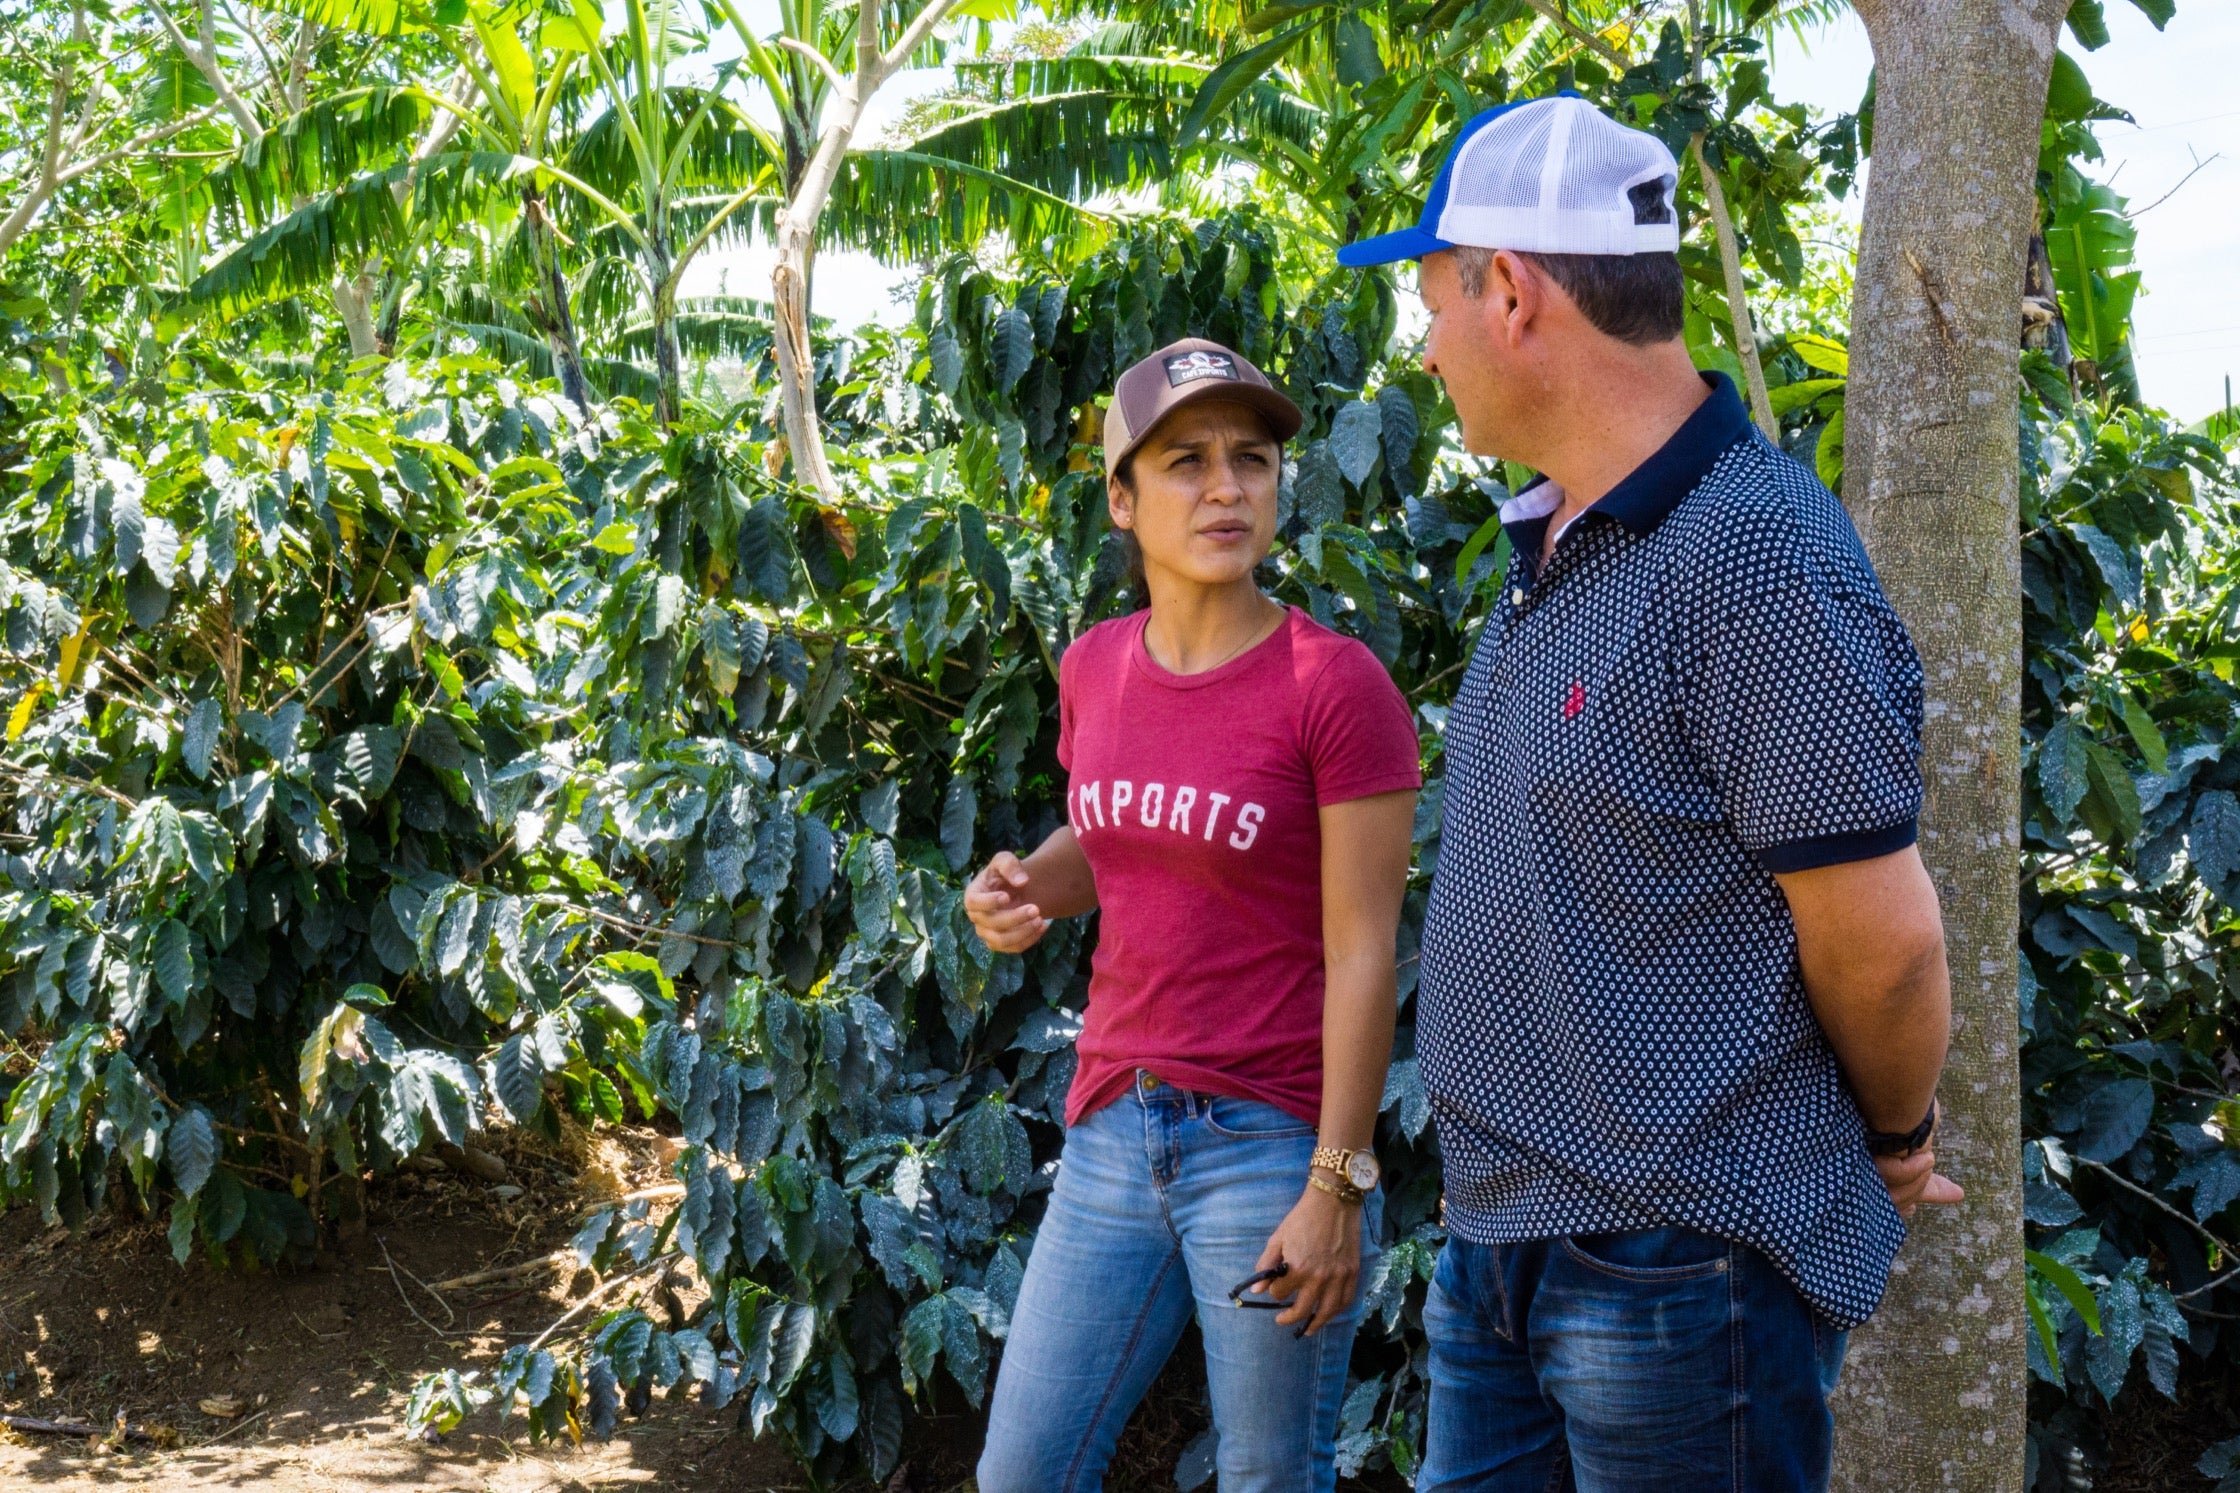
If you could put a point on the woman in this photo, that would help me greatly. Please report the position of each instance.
(1242, 787)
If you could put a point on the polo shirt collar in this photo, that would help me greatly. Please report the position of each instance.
(1651, 490)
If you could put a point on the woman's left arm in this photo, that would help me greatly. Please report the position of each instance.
(1365, 848)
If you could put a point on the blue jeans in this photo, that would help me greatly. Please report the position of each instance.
(1164, 1202)
(1621, 1363)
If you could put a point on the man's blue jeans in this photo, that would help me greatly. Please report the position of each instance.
(1163, 1203)
(1664, 1361)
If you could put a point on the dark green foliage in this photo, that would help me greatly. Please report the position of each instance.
(394, 756)
(504, 767)
(2130, 833)
(465, 764)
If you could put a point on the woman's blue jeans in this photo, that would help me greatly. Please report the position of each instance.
(1624, 1363)
(1164, 1201)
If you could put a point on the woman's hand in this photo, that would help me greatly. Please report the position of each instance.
(1319, 1244)
(995, 901)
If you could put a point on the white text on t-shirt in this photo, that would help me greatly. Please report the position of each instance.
(1155, 806)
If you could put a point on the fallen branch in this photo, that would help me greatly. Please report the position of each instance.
(600, 1291)
(502, 1274)
(475, 1162)
(666, 1192)
(406, 1296)
(239, 1425)
(33, 1426)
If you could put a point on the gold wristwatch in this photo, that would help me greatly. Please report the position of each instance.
(1357, 1172)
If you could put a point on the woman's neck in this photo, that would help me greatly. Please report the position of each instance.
(1195, 628)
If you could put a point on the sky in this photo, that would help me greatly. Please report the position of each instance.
(2177, 84)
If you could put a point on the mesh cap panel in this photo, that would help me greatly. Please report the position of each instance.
(1553, 177)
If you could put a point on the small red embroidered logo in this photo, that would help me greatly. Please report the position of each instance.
(1575, 702)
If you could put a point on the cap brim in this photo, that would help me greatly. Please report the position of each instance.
(1274, 406)
(1385, 248)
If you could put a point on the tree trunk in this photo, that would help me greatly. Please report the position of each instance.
(567, 352)
(1933, 1393)
(551, 302)
(789, 294)
(668, 368)
(797, 375)
(353, 299)
(797, 231)
(1738, 296)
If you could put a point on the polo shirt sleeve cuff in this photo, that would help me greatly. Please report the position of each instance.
(1837, 850)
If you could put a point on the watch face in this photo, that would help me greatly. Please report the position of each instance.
(1362, 1170)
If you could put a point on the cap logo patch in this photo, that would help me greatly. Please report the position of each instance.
(1188, 368)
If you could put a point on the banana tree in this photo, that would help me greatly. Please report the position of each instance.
(384, 174)
(821, 102)
(1345, 109)
(67, 115)
(2087, 235)
(1030, 144)
(519, 99)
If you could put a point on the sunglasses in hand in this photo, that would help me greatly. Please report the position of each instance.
(1259, 1303)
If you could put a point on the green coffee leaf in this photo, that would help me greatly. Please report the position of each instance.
(199, 740)
(1356, 437)
(192, 1149)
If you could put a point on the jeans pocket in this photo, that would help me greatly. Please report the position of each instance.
(1652, 1256)
(1249, 1119)
(1468, 1296)
(1828, 1344)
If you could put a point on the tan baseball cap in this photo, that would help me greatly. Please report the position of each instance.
(1192, 371)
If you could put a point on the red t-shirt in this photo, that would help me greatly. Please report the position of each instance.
(1195, 797)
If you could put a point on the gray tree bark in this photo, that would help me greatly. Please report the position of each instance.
(353, 302)
(1933, 1393)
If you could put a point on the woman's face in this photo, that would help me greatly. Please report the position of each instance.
(1203, 504)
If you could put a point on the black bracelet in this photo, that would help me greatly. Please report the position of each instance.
(1903, 1142)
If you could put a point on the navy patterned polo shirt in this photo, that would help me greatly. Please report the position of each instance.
(1703, 687)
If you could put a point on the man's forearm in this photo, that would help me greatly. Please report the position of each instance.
(1870, 942)
(1889, 1032)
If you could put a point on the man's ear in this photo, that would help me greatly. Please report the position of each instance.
(1515, 291)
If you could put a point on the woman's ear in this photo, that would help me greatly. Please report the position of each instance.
(1120, 503)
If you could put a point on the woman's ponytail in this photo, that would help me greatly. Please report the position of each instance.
(1139, 584)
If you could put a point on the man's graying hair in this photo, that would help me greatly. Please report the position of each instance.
(1636, 298)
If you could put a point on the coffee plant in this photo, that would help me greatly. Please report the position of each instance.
(397, 748)
(410, 755)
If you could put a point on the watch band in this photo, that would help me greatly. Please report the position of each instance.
(1331, 1159)
(1344, 1192)
(1903, 1142)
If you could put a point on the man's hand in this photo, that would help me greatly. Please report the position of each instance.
(1319, 1243)
(1914, 1180)
(994, 901)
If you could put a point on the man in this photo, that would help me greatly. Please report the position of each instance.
(1684, 1000)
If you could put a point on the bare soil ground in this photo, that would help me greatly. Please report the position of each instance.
(320, 1361)
(2155, 1443)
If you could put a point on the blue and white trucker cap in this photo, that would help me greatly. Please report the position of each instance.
(1542, 176)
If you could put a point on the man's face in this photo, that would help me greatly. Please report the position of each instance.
(1469, 350)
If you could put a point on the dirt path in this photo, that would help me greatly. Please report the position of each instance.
(320, 1361)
